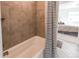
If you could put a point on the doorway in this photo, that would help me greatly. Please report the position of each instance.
(68, 28)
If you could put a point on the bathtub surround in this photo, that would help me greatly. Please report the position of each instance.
(23, 20)
(51, 29)
(35, 15)
(19, 23)
(41, 19)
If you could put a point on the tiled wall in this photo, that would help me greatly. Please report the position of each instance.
(5, 25)
(41, 18)
(22, 20)
(51, 29)
(19, 22)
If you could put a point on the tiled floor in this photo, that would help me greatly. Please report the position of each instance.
(69, 48)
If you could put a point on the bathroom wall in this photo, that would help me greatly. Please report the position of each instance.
(41, 18)
(18, 22)
(5, 25)
(1, 51)
(21, 20)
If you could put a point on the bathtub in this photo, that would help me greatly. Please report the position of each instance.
(31, 48)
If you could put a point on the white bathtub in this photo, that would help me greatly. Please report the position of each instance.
(30, 48)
